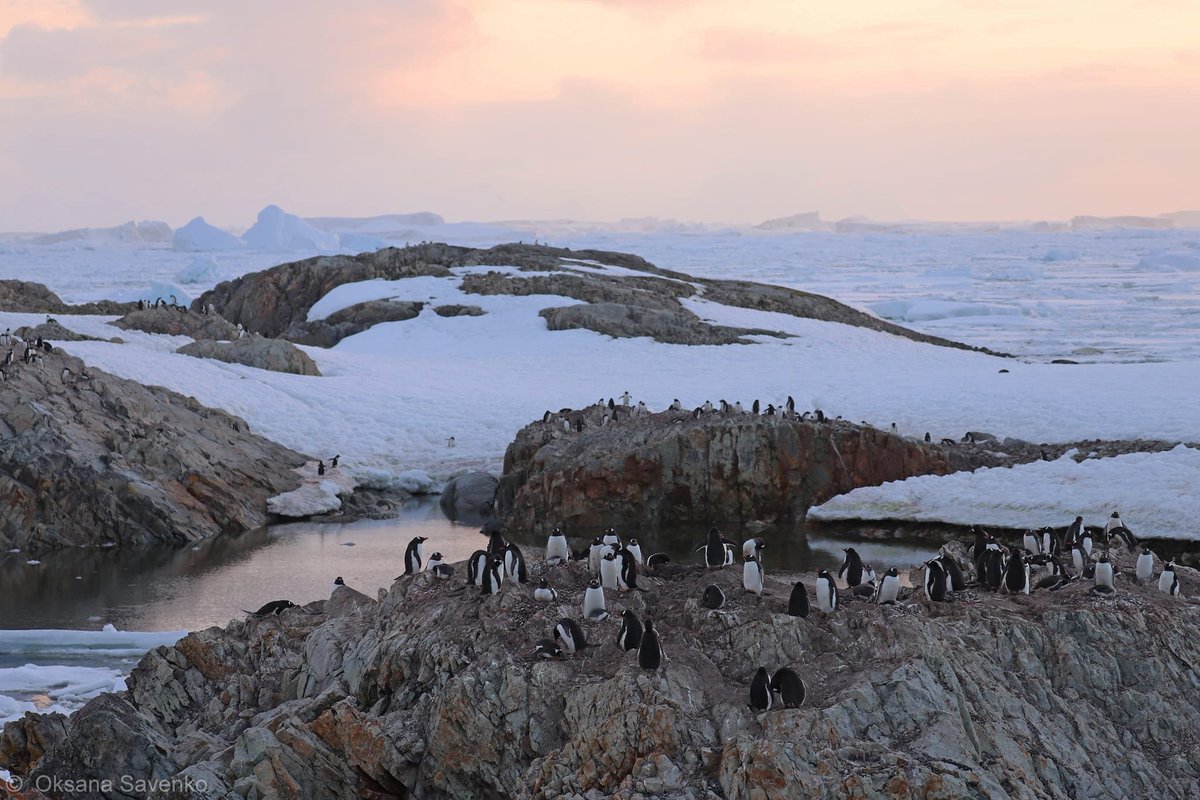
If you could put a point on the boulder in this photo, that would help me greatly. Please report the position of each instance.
(469, 497)
(177, 321)
(671, 327)
(276, 355)
(349, 321)
(27, 296)
(458, 310)
(52, 332)
(24, 741)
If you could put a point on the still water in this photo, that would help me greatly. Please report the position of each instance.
(209, 583)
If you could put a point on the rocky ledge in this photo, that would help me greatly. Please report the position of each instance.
(433, 692)
(26, 296)
(87, 458)
(276, 355)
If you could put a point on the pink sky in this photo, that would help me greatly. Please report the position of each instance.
(720, 110)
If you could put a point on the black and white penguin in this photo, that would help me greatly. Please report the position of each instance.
(713, 549)
(547, 648)
(754, 410)
(1167, 577)
(1032, 543)
(982, 538)
(8, 359)
(1085, 540)
(496, 544)
(827, 596)
(790, 687)
(569, 636)
(852, 567)
(935, 581)
(729, 559)
(1144, 569)
(865, 590)
(476, 566)
(760, 690)
(752, 576)
(958, 581)
(753, 547)
(626, 397)
(557, 551)
(649, 650)
(433, 561)
(545, 593)
(714, 597)
(334, 462)
(514, 565)
(1056, 578)
(1050, 542)
(610, 570)
(320, 467)
(791, 405)
(274, 607)
(1105, 582)
(635, 549)
(611, 539)
(1079, 557)
(627, 576)
(493, 575)
(1125, 535)
(337, 582)
(798, 602)
(676, 405)
(1072, 534)
(594, 606)
(595, 554)
(441, 571)
(1016, 572)
(655, 560)
(630, 635)
(414, 555)
(928, 438)
(1175, 588)
(889, 587)
(993, 573)
(141, 304)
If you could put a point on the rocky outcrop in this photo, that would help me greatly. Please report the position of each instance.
(24, 741)
(52, 332)
(349, 321)
(87, 458)
(34, 297)
(469, 497)
(276, 355)
(671, 327)
(433, 692)
(458, 310)
(178, 321)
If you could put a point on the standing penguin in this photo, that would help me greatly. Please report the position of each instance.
(630, 635)
(1167, 577)
(827, 596)
(790, 687)
(557, 551)
(714, 597)
(993, 574)
(714, 550)
(320, 467)
(935, 581)
(611, 539)
(544, 592)
(635, 550)
(1073, 533)
(496, 544)
(477, 566)
(1103, 577)
(1032, 543)
(1086, 540)
(595, 553)
(753, 547)
(889, 588)
(1145, 566)
(798, 602)
(594, 607)
(954, 573)
(760, 691)
(414, 555)
(852, 568)
(752, 576)
(610, 570)
(627, 576)
(1078, 557)
(569, 636)
(434, 561)
(514, 565)
(649, 651)
(1016, 572)
(493, 575)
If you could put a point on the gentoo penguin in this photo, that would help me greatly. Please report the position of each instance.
(320, 467)
(707, 407)
(676, 405)
(8, 359)
(514, 565)
(865, 590)
(754, 410)
(1175, 589)
(935, 581)
(442, 571)
(649, 651)
(752, 576)
(610, 570)
(1104, 576)
(1167, 577)
(790, 687)
(1085, 540)
(1032, 543)
(1125, 535)
(625, 398)
(852, 567)
(954, 572)
(594, 607)
(493, 575)
(1144, 571)
(545, 593)
(928, 438)
(635, 550)
(547, 648)
(338, 582)
(1057, 578)
(569, 636)
(993, 573)
(641, 409)
(714, 597)
(496, 544)
(477, 566)
(273, 607)
(627, 576)
(791, 405)
(451, 442)
(827, 596)
(753, 547)
(630, 635)
(1078, 557)
(595, 554)
(729, 560)
(714, 550)
(798, 602)
(1073, 531)
(414, 555)
(611, 539)
(889, 587)
(657, 560)
(982, 538)
(433, 561)
(760, 690)
(1050, 542)
(333, 462)
(557, 551)
(1016, 572)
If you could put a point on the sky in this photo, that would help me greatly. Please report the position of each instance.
(712, 110)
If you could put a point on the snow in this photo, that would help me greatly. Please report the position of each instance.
(202, 269)
(198, 235)
(1155, 493)
(1161, 259)
(315, 495)
(278, 230)
(929, 309)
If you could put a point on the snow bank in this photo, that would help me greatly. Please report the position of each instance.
(317, 495)
(1155, 493)
(278, 230)
(199, 236)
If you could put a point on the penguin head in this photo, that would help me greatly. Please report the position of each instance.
(436, 557)
(1116, 515)
(893, 573)
(594, 584)
(419, 539)
(628, 614)
(610, 556)
(1169, 566)
(1145, 551)
(750, 559)
(597, 542)
(338, 581)
(556, 532)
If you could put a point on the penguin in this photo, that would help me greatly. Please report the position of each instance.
(1086, 541)
(442, 571)
(714, 550)
(753, 547)
(1057, 578)
(827, 596)
(1050, 542)
(496, 544)
(649, 651)
(1016, 573)
(493, 575)
(958, 581)
(754, 410)
(865, 590)
(993, 567)
(641, 408)
(752, 576)
(274, 607)
(334, 462)
(594, 607)
(610, 570)
(413, 555)
(547, 648)
(141, 304)
(1078, 557)
(729, 559)
(657, 560)
(569, 636)
(557, 551)
(798, 602)
(707, 407)
(514, 565)
(676, 405)
(595, 554)
(433, 561)
(928, 438)
(630, 635)
(935, 581)
(790, 687)
(1032, 543)
(62, 376)
(1071, 536)
(760, 691)
(1126, 535)
(46, 346)
(611, 539)
(477, 566)
(451, 442)
(1144, 571)
(978, 550)
(320, 467)
(714, 597)
(1104, 576)
(1175, 589)
(545, 593)
(791, 405)
(627, 576)
(337, 582)
(852, 568)
(889, 587)
(635, 550)
(1167, 577)
(8, 359)
(625, 398)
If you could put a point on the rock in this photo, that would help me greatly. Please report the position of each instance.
(671, 327)
(34, 297)
(469, 496)
(87, 458)
(458, 310)
(276, 355)
(349, 321)
(51, 332)
(24, 741)
(178, 321)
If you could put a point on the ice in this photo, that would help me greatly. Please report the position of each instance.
(202, 269)
(1161, 259)
(199, 236)
(278, 230)
(931, 309)
(316, 494)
